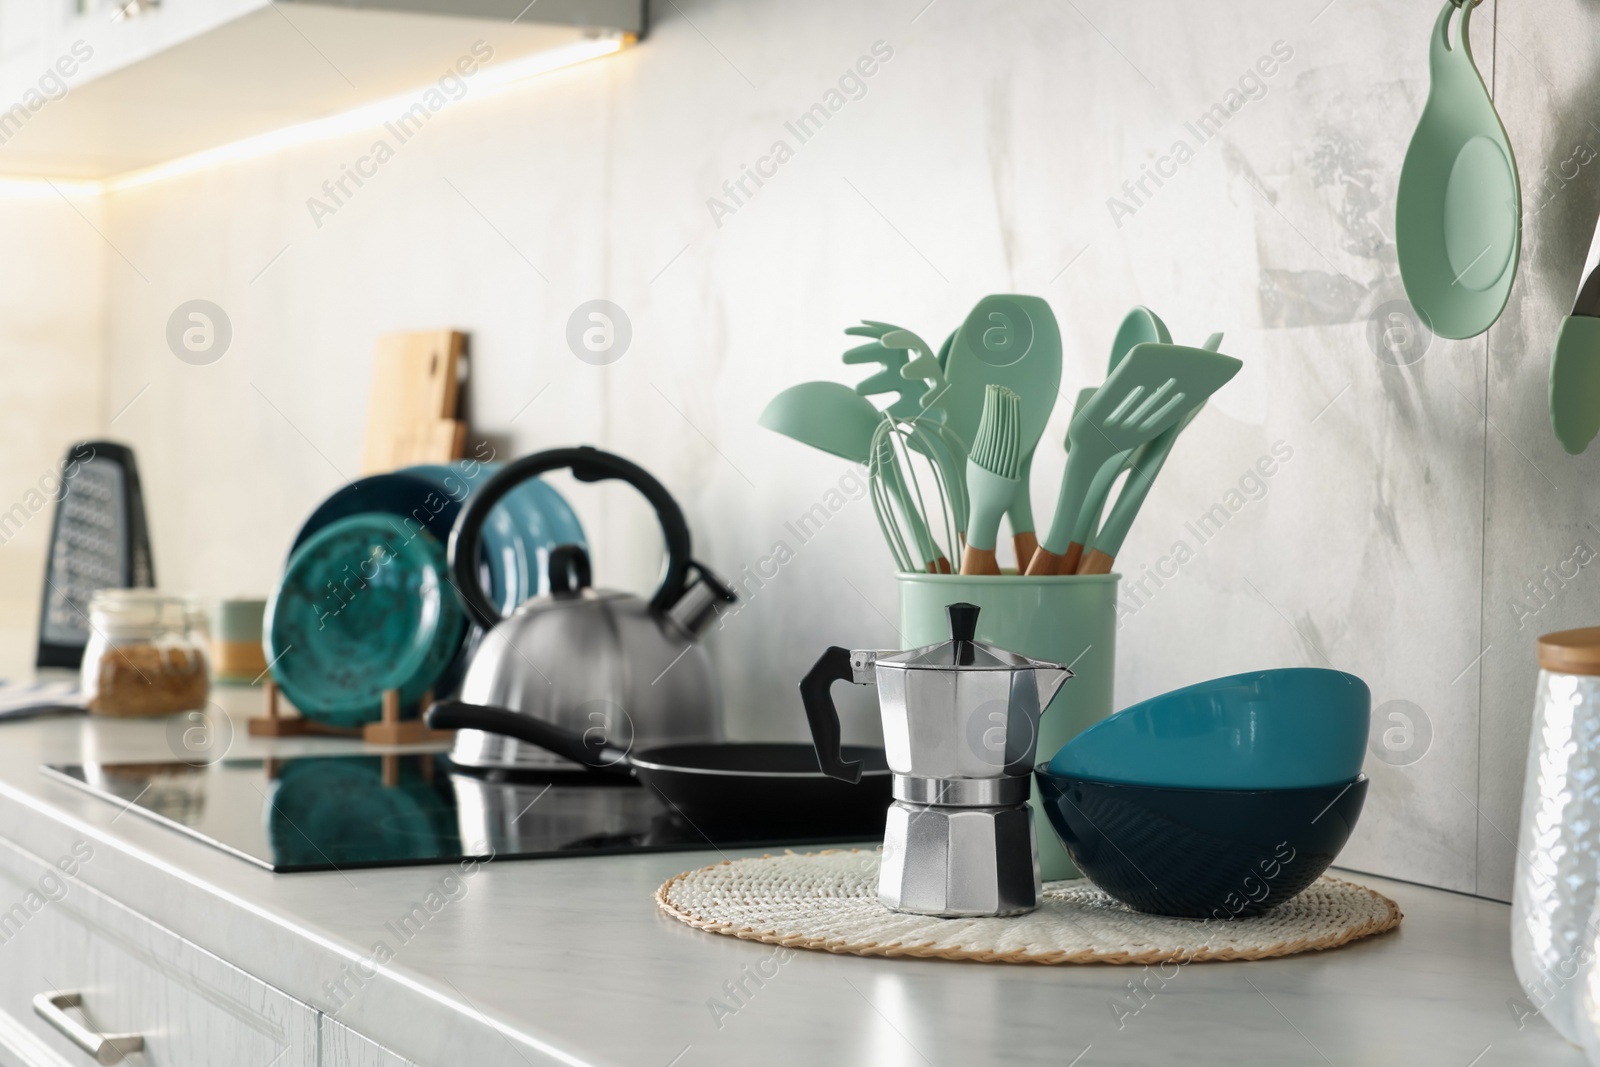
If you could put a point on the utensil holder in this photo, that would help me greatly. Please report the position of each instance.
(1069, 619)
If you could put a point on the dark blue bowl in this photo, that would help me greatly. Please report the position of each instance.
(1200, 853)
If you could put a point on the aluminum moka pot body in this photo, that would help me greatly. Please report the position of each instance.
(950, 721)
(960, 728)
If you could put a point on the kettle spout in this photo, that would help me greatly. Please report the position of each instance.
(698, 605)
(1050, 680)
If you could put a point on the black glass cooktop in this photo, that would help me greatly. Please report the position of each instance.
(320, 813)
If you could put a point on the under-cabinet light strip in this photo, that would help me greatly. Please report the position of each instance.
(488, 80)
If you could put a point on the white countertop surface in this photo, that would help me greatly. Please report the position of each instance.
(568, 961)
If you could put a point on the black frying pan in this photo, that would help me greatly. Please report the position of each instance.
(766, 786)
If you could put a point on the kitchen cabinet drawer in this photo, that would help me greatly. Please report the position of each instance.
(343, 1047)
(133, 976)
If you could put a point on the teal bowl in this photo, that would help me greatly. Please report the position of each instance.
(1200, 853)
(363, 606)
(1291, 728)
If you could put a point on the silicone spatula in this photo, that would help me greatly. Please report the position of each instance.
(1012, 341)
(1139, 326)
(1146, 462)
(1151, 389)
(1458, 211)
(1575, 366)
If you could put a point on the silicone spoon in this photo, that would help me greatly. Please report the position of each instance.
(991, 476)
(837, 420)
(1150, 390)
(1575, 366)
(1012, 341)
(1458, 211)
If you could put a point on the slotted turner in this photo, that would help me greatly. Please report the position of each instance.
(1149, 391)
(1139, 326)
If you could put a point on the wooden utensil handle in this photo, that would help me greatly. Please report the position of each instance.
(1096, 562)
(978, 561)
(1025, 543)
(1044, 561)
(1070, 561)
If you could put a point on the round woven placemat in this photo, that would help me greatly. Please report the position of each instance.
(829, 901)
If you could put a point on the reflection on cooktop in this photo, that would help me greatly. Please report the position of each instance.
(320, 813)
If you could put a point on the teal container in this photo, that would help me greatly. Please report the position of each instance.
(1069, 619)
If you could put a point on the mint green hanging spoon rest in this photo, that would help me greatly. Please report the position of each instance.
(1459, 209)
(1575, 364)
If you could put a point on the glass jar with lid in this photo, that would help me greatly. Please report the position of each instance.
(197, 623)
(143, 657)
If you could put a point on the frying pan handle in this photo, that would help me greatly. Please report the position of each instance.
(816, 692)
(597, 755)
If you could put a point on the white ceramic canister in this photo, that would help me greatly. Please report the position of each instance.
(1558, 846)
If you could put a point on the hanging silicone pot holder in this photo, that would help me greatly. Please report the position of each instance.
(1458, 214)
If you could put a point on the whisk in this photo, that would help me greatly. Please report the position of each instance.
(920, 510)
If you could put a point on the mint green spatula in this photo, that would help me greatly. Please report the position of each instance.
(1151, 389)
(1147, 461)
(1139, 326)
(1458, 212)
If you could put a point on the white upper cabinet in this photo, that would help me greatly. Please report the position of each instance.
(105, 88)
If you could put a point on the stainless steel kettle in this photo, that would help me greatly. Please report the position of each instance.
(622, 671)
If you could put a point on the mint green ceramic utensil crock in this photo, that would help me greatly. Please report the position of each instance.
(1458, 212)
(1069, 619)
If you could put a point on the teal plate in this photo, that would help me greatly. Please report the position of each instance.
(521, 530)
(341, 804)
(363, 606)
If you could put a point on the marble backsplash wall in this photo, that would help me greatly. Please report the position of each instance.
(52, 344)
(1389, 496)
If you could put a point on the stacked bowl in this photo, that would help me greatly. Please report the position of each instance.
(365, 603)
(1219, 800)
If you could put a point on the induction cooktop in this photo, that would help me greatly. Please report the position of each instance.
(322, 813)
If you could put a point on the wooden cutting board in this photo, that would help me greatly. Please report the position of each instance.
(415, 397)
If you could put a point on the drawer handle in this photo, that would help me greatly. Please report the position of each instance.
(105, 1048)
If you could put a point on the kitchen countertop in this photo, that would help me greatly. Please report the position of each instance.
(567, 961)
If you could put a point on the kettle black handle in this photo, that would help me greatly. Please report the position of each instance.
(587, 465)
(816, 693)
(568, 569)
